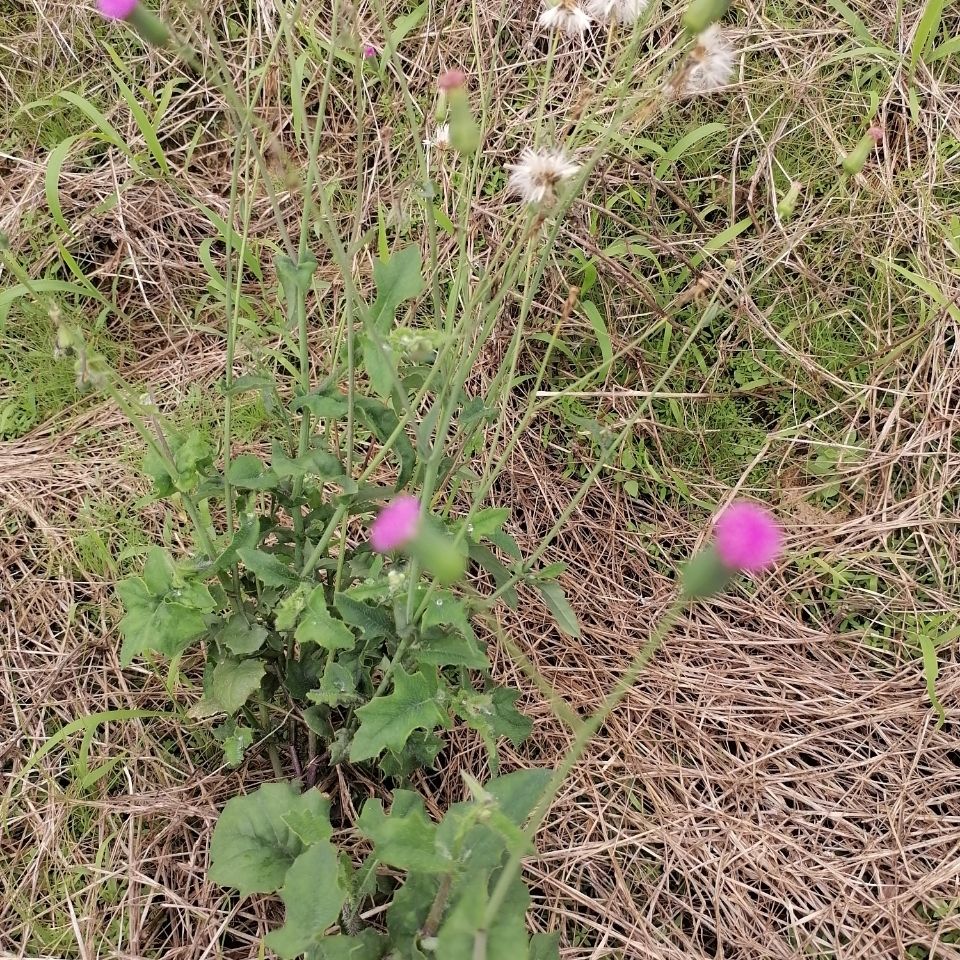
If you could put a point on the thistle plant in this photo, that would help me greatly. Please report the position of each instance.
(334, 591)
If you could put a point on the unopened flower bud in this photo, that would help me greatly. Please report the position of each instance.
(701, 13)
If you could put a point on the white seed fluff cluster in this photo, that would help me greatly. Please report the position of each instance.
(439, 139)
(624, 11)
(538, 173)
(712, 62)
(566, 16)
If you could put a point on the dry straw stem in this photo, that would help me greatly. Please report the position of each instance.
(775, 787)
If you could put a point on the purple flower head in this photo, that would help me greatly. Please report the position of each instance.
(369, 51)
(116, 9)
(396, 524)
(748, 537)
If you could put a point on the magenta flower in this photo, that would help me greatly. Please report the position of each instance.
(451, 80)
(369, 51)
(116, 9)
(748, 537)
(396, 524)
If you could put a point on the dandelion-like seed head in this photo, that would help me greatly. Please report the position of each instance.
(622, 11)
(538, 173)
(566, 16)
(439, 139)
(712, 62)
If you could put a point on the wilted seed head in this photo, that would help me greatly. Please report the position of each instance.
(539, 172)
(566, 16)
(712, 62)
(116, 9)
(624, 11)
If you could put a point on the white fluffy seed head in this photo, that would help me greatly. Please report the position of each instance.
(538, 173)
(624, 11)
(566, 16)
(439, 139)
(712, 62)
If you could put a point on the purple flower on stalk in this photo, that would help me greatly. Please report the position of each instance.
(369, 51)
(748, 537)
(116, 9)
(396, 524)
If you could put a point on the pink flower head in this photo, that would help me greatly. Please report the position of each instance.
(116, 9)
(396, 524)
(748, 537)
(369, 51)
(451, 80)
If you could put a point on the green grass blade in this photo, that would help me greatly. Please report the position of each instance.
(926, 30)
(51, 181)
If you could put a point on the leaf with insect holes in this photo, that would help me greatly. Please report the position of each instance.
(312, 895)
(317, 626)
(387, 722)
(559, 606)
(253, 847)
(405, 838)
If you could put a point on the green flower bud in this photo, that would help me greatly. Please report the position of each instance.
(855, 160)
(788, 205)
(464, 130)
(150, 27)
(701, 13)
(705, 575)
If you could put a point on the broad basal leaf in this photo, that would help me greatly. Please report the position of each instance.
(269, 568)
(253, 846)
(387, 722)
(313, 896)
(372, 622)
(445, 608)
(465, 923)
(406, 837)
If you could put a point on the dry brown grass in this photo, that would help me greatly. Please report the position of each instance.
(775, 787)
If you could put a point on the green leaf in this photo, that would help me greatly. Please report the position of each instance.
(324, 405)
(235, 740)
(556, 600)
(600, 331)
(465, 922)
(152, 624)
(486, 559)
(405, 23)
(383, 422)
(248, 472)
(242, 637)
(545, 946)
(931, 672)
(444, 650)
(268, 568)
(317, 626)
(311, 825)
(338, 687)
(315, 462)
(493, 714)
(387, 722)
(446, 609)
(372, 622)
(313, 895)
(487, 521)
(252, 846)
(159, 573)
(379, 362)
(366, 945)
(399, 278)
(406, 837)
(234, 682)
(295, 278)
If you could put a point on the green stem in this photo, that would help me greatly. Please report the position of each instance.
(581, 740)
